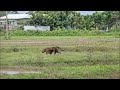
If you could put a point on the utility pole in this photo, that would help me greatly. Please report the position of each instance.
(7, 26)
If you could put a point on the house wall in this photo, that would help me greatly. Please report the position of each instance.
(13, 22)
(22, 21)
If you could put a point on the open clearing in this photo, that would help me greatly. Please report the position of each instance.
(83, 57)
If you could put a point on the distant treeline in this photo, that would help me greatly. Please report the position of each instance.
(74, 20)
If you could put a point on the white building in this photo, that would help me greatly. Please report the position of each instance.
(15, 20)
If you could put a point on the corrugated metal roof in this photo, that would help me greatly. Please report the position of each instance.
(16, 16)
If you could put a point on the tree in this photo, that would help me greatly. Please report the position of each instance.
(55, 19)
(72, 19)
(111, 18)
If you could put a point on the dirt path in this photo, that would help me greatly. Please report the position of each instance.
(45, 42)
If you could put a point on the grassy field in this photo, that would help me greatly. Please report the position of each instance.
(84, 57)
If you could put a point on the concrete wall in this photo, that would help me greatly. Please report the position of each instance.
(41, 28)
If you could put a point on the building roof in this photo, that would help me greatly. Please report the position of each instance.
(16, 16)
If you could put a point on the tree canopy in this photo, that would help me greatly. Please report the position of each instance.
(74, 20)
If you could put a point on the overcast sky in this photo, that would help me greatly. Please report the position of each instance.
(87, 12)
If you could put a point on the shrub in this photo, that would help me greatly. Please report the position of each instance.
(63, 33)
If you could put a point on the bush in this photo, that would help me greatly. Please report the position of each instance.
(63, 33)
(2, 32)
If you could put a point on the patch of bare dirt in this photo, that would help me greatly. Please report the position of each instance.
(16, 72)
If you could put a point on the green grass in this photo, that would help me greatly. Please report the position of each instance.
(82, 58)
(61, 33)
(53, 37)
(80, 72)
(35, 58)
(64, 33)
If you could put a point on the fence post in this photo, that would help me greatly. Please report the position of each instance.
(7, 26)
